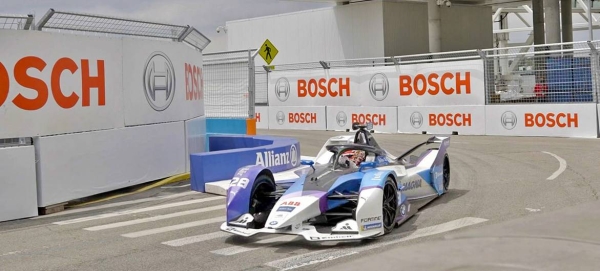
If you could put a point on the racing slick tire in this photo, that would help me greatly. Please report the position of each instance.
(261, 203)
(390, 205)
(446, 173)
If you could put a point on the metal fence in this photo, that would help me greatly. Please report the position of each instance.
(229, 82)
(550, 73)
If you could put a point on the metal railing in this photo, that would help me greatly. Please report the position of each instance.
(16, 21)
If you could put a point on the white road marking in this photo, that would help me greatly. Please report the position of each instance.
(196, 239)
(533, 210)
(331, 254)
(154, 218)
(117, 204)
(135, 211)
(228, 251)
(175, 227)
(561, 168)
(13, 253)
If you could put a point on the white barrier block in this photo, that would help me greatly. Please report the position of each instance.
(557, 120)
(262, 117)
(466, 120)
(18, 192)
(79, 165)
(384, 119)
(297, 117)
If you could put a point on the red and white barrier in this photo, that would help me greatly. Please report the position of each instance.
(297, 117)
(563, 120)
(468, 120)
(437, 84)
(262, 117)
(384, 119)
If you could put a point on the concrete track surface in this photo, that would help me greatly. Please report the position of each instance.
(514, 204)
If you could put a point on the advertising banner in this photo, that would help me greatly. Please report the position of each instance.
(466, 120)
(384, 119)
(262, 117)
(557, 120)
(54, 84)
(164, 82)
(297, 117)
(428, 84)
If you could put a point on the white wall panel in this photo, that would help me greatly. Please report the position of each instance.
(18, 193)
(195, 132)
(155, 67)
(262, 117)
(298, 117)
(384, 119)
(79, 165)
(466, 120)
(349, 31)
(31, 105)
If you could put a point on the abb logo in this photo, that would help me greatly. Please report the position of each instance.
(376, 119)
(324, 87)
(302, 117)
(257, 117)
(57, 72)
(551, 120)
(290, 203)
(448, 83)
(459, 119)
(194, 82)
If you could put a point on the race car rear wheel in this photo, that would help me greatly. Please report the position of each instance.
(446, 173)
(390, 205)
(260, 201)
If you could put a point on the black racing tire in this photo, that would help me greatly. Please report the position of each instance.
(446, 173)
(389, 208)
(260, 203)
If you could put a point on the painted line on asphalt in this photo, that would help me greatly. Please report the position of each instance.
(561, 168)
(228, 251)
(154, 218)
(311, 258)
(118, 204)
(179, 186)
(135, 211)
(175, 227)
(196, 239)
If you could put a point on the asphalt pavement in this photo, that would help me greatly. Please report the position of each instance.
(537, 195)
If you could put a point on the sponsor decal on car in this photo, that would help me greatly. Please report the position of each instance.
(370, 219)
(286, 209)
(371, 226)
(412, 185)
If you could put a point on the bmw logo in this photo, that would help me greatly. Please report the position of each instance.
(273, 223)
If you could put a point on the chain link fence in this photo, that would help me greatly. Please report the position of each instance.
(229, 81)
(555, 73)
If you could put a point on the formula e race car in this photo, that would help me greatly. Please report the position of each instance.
(353, 189)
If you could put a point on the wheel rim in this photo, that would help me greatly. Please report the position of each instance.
(446, 175)
(390, 203)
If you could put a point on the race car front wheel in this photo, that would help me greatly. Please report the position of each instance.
(390, 205)
(261, 202)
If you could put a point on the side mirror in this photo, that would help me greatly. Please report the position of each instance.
(366, 165)
(355, 125)
(370, 126)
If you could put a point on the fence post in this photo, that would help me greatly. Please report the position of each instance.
(251, 85)
(594, 69)
(486, 80)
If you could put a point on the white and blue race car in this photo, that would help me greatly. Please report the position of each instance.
(353, 189)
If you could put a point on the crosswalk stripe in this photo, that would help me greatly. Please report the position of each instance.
(332, 254)
(175, 227)
(196, 239)
(135, 211)
(228, 251)
(154, 218)
(117, 204)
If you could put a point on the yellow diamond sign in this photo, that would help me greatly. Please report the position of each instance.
(268, 51)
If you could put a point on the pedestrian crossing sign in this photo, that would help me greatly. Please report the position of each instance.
(268, 51)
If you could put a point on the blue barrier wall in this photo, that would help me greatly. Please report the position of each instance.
(228, 153)
(226, 126)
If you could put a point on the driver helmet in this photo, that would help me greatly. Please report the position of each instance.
(355, 156)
